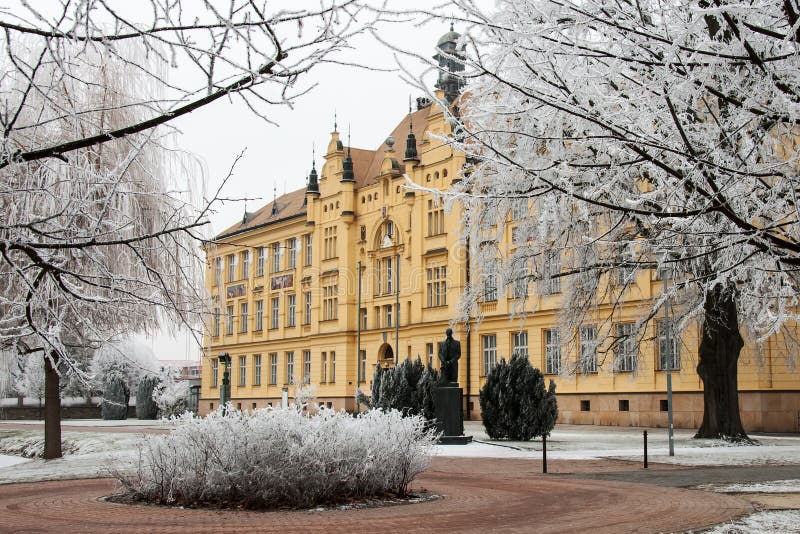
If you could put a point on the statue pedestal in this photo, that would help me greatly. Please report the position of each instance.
(448, 399)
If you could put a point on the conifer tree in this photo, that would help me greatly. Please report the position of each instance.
(115, 399)
(514, 402)
(146, 407)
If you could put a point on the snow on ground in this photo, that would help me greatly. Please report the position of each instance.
(574, 442)
(771, 522)
(90, 453)
(8, 461)
(775, 486)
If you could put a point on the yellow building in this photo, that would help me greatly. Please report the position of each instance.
(356, 270)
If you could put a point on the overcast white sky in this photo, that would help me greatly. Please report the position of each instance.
(371, 102)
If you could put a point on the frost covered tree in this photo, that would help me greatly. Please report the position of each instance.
(619, 136)
(101, 214)
(171, 394)
(127, 360)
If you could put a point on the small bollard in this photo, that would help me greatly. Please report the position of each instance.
(645, 448)
(544, 454)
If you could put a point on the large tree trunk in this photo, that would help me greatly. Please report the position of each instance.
(720, 345)
(52, 408)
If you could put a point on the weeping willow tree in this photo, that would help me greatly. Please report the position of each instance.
(101, 214)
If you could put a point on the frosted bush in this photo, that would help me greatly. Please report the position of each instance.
(281, 458)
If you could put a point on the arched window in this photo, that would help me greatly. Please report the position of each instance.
(444, 173)
(436, 175)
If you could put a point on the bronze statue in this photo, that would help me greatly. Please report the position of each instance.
(449, 353)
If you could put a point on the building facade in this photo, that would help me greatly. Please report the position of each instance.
(358, 270)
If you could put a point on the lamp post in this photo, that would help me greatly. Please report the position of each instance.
(668, 353)
(225, 388)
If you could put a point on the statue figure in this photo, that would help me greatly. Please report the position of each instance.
(449, 353)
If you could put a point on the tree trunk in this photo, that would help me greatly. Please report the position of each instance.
(720, 345)
(52, 408)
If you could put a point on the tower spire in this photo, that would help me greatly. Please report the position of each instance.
(347, 164)
(411, 140)
(313, 182)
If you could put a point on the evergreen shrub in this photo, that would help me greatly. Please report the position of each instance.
(407, 388)
(115, 399)
(146, 407)
(514, 402)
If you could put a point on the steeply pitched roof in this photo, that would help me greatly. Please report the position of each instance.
(399, 133)
(366, 166)
(288, 206)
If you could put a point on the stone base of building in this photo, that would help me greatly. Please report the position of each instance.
(773, 411)
(761, 411)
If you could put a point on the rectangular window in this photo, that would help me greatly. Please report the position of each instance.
(276, 257)
(624, 405)
(309, 250)
(585, 406)
(330, 299)
(273, 368)
(552, 351)
(324, 373)
(520, 210)
(363, 318)
(429, 353)
(216, 322)
(520, 284)
(256, 369)
(243, 317)
(242, 370)
(626, 266)
(362, 362)
(291, 307)
(276, 308)
(231, 260)
(387, 314)
(259, 315)
(626, 349)
(490, 282)
(551, 269)
(329, 235)
(217, 271)
(245, 264)
(306, 367)
(674, 346)
(307, 307)
(333, 367)
(435, 217)
(262, 252)
(229, 321)
(437, 286)
(588, 349)
(388, 266)
(489, 353)
(290, 367)
(520, 344)
(214, 372)
(291, 246)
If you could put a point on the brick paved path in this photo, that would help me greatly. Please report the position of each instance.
(481, 494)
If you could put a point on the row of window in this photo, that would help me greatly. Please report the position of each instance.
(550, 283)
(625, 354)
(284, 370)
(258, 316)
(238, 266)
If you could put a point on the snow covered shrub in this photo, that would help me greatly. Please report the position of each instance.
(146, 407)
(171, 394)
(407, 387)
(115, 399)
(280, 458)
(514, 402)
